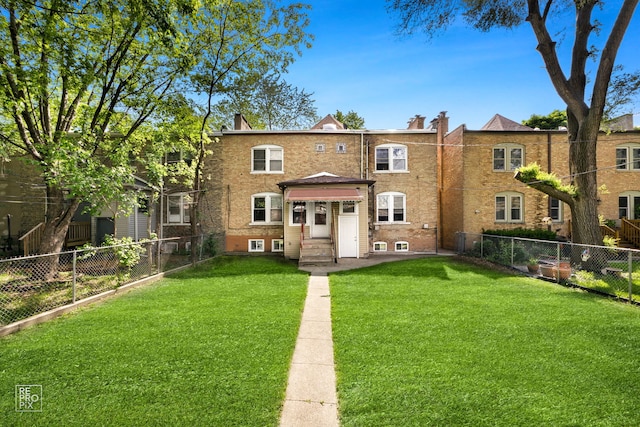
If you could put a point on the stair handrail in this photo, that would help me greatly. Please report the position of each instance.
(608, 231)
(630, 230)
(301, 236)
(31, 239)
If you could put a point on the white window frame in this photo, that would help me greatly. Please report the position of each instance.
(380, 246)
(277, 245)
(507, 149)
(631, 158)
(269, 210)
(256, 245)
(390, 197)
(270, 151)
(306, 216)
(184, 204)
(401, 246)
(631, 207)
(559, 209)
(391, 157)
(509, 198)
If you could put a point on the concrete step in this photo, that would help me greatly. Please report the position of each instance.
(315, 260)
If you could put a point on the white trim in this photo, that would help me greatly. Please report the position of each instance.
(269, 197)
(280, 243)
(380, 244)
(268, 150)
(258, 247)
(390, 196)
(390, 148)
(401, 244)
(509, 197)
(508, 147)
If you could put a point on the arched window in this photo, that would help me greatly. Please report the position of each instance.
(391, 207)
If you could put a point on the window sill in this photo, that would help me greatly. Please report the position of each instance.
(166, 224)
(267, 173)
(386, 172)
(265, 223)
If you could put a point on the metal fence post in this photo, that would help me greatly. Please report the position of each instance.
(630, 262)
(482, 246)
(512, 251)
(558, 262)
(75, 275)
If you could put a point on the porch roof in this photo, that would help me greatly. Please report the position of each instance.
(323, 194)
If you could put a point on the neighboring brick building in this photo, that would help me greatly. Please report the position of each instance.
(374, 191)
(480, 192)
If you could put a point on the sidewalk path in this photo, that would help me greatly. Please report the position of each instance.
(311, 399)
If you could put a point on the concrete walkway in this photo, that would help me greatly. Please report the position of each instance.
(311, 399)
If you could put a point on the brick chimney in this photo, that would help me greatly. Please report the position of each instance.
(416, 122)
(240, 123)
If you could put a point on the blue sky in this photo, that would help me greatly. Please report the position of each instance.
(358, 63)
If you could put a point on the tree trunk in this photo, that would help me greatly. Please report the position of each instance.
(60, 212)
(585, 225)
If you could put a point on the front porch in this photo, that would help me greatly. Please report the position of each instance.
(325, 218)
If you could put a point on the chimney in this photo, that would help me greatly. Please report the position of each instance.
(416, 122)
(240, 123)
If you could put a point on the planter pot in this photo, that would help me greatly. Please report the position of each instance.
(533, 268)
(563, 272)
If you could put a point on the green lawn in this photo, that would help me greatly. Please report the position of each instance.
(435, 342)
(210, 346)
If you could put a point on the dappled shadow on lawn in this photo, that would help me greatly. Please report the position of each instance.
(438, 267)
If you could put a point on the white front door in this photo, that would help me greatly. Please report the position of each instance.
(348, 236)
(320, 220)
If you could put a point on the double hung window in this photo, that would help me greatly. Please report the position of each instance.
(391, 207)
(391, 158)
(267, 159)
(509, 207)
(507, 157)
(266, 208)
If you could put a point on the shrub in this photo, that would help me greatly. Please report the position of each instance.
(528, 233)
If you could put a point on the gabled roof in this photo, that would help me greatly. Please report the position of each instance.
(324, 178)
(499, 122)
(329, 121)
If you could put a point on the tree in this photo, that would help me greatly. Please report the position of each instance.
(553, 120)
(351, 120)
(233, 40)
(269, 103)
(78, 81)
(584, 111)
(622, 89)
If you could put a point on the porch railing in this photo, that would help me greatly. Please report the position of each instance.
(630, 231)
(79, 233)
(31, 239)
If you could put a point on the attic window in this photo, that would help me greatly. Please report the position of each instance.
(341, 148)
(320, 148)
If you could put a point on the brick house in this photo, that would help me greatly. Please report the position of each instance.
(480, 192)
(365, 191)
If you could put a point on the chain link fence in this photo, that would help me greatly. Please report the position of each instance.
(606, 270)
(35, 284)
